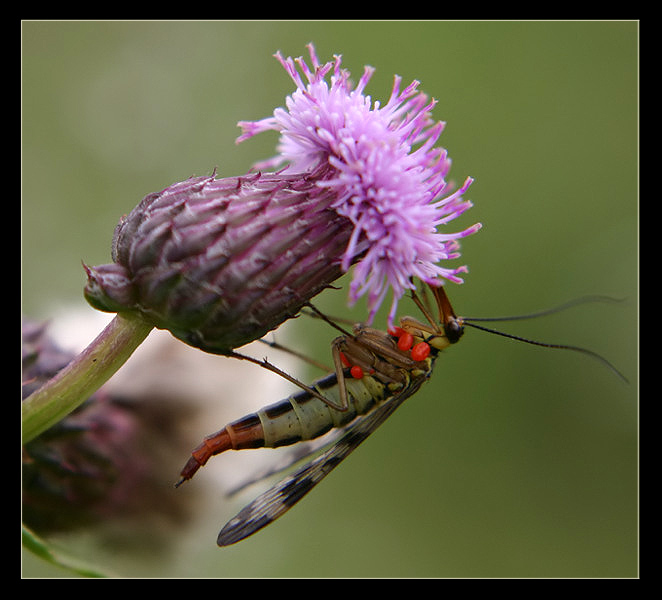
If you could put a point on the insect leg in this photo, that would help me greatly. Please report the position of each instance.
(299, 355)
(337, 363)
(274, 369)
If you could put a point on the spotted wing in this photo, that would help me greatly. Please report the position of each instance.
(276, 501)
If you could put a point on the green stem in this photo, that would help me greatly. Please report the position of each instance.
(83, 375)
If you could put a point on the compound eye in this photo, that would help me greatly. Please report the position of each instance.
(453, 330)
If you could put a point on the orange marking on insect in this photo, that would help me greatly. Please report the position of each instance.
(405, 341)
(420, 351)
(356, 372)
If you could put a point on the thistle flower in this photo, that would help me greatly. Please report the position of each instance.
(220, 262)
(382, 165)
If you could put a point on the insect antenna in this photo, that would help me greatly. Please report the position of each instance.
(550, 311)
(471, 322)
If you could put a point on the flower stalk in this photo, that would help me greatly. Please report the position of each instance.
(86, 373)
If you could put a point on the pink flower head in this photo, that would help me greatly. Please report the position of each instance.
(381, 163)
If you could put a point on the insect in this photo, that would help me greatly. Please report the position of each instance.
(375, 372)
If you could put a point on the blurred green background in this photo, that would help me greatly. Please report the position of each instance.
(513, 461)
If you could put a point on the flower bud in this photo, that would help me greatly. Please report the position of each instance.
(220, 262)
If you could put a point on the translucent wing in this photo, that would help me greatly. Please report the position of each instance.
(276, 501)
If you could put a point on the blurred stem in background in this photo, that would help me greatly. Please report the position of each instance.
(83, 375)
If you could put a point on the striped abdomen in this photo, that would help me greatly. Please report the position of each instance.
(300, 417)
